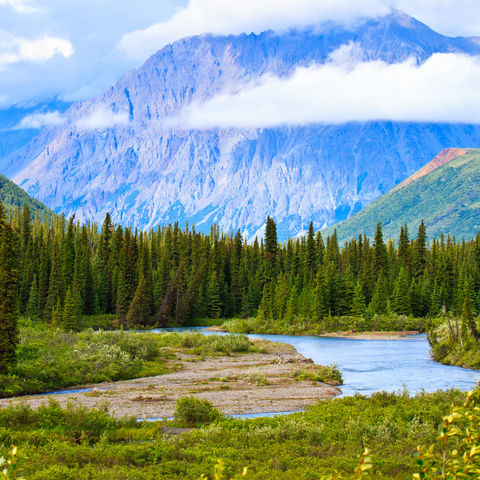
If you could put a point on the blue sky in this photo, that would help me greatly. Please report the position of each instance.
(74, 49)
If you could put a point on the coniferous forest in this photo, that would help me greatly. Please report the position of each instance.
(173, 276)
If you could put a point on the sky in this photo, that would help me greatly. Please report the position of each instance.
(74, 49)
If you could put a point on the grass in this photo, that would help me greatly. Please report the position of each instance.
(75, 443)
(51, 359)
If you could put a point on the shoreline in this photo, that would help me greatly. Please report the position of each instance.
(372, 335)
(235, 384)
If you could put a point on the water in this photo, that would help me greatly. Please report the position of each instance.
(370, 366)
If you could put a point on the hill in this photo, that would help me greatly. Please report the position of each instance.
(447, 198)
(118, 153)
(13, 197)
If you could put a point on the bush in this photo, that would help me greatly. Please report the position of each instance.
(193, 411)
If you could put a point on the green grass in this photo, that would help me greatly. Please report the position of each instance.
(79, 444)
(51, 359)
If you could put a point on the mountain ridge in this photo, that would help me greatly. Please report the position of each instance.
(446, 198)
(146, 175)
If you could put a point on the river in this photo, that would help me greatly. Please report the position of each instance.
(369, 366)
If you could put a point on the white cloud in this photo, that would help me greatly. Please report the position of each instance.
(17, 49)
(102, 118)
(451, 17)
(238, 16)
(443, 89)
(39, 120)
(22, 6)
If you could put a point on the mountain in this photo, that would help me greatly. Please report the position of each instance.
(447, 198)
(13, 197)
(14, 135)
(148, 175)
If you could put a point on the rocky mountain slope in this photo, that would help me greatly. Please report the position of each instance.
(447, 198)
(148, 174)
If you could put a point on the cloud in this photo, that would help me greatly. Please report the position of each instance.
(22, 6)
(235, 16)
(443, 89)
(39, 120)
(451, 17)
(101, 119)
(18, 49)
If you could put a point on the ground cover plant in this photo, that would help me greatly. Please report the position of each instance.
(51, 358)
(79, 444)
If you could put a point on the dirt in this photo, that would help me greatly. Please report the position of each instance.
(239, 383)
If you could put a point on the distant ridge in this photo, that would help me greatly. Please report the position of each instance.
(13, 197)
(442, 158)
(447, 198)
(146, 172)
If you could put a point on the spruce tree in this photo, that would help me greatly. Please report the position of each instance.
(420, 251)
(32, 308)
(379, 299)
(380, 256)
(213, 296)
(139, 312)
(8, 295)
(311, 252)
(271, 248)
(358, 303)
(468, 318)
(401, 299)
(70, 314)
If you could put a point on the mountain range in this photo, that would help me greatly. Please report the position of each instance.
(114, 153)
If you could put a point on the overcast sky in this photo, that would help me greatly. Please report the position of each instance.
(74, 49)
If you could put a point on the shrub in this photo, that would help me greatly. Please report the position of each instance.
(194, 411)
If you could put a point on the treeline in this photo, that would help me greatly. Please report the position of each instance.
(66, 269)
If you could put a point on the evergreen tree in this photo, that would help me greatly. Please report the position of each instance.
(32, 309)
(271, 248)
(311, 252)
(140, 310)
(401, 298)
(420, 251)
(380, 257)
(71, 313)
(213, 296)
(468, 318)
(8, 295)
(358, 303)
(379, 298)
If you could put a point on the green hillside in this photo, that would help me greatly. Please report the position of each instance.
(13, 197)
(448, 200)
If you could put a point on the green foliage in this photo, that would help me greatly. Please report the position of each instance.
(320, 373)
(8, 295)
(8, 466)
(456, 454)
(330, 437)
(192, 411)
(306, 326)
(49, 359)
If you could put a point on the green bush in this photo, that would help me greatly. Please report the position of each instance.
(193, 411)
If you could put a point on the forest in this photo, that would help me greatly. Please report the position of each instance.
(66, 269)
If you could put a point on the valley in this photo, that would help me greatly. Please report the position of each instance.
(239, 240)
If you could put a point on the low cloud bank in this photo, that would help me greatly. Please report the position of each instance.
(442, 89)
(101, 119)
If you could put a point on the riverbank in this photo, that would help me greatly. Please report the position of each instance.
(272, 378)
(352, 335)
(371, 326)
